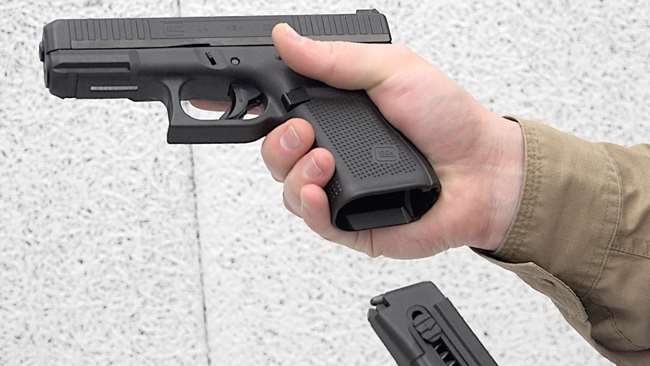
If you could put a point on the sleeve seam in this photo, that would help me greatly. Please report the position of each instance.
(612, 320)
(614, 234)
(624, 251)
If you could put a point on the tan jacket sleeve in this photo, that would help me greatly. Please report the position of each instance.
(581, 236)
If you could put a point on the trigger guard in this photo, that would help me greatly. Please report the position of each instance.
(184, 129)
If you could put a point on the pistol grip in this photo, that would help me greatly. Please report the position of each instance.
(381, 179)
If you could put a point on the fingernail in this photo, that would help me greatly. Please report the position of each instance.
(292, 34)
(312, 170)
(290, 139)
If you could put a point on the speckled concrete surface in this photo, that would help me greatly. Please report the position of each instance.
(98, 252)
(277, 295)
(100, 262)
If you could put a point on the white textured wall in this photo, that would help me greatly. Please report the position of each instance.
(98, 251)
(104, 259)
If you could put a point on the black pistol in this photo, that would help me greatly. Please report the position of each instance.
(421, 327)
(381, 179)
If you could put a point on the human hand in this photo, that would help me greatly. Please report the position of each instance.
(477, 155)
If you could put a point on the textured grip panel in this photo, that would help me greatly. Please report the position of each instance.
(333, 188)
(381, 179)
(352, 128)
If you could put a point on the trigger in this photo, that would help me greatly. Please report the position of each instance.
(242, 97)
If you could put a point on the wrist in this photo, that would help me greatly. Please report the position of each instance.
(505, 156)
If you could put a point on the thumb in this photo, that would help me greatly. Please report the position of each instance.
(344, 65)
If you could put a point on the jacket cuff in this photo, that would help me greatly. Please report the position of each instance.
(568, 210)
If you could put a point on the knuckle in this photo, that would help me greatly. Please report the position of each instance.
(332, 58)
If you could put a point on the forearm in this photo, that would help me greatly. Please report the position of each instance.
(581, 235)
